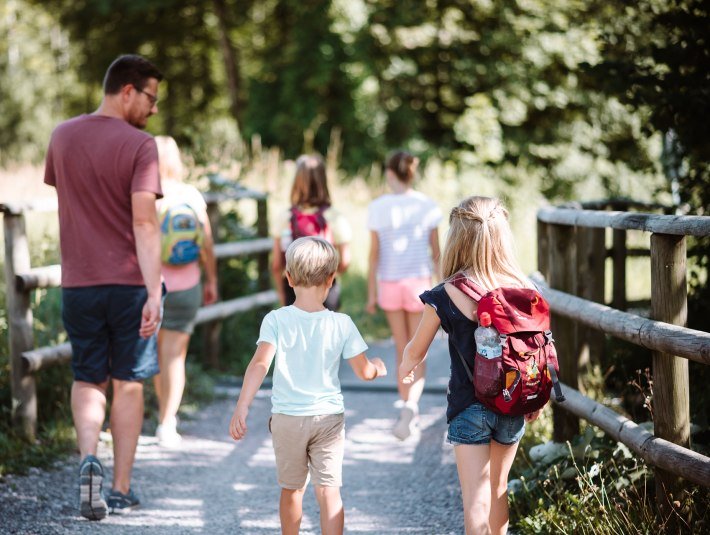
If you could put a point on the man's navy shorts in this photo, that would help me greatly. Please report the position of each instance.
(102, 323)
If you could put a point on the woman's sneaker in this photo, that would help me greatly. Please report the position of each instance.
(91, 499)
(406, 422)
(120, 504)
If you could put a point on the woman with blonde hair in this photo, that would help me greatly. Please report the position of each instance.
(404, 254)
(311, 214)
(479, 247)
(182, 278)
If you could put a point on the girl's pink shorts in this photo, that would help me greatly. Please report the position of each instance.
(402, 294)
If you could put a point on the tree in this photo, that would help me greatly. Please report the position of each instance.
(301, 91)
(505, 86)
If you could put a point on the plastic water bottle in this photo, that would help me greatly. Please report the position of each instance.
(487, 338)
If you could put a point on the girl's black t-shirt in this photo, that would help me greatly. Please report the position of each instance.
(460, 330)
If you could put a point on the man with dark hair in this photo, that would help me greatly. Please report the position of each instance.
(105, 171)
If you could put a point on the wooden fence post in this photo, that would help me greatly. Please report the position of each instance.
(618, 300)
(543, 250)
(19, 317)
(262, 229)
(671, 398)
(212, 330)
(591, 262)
(562, 262)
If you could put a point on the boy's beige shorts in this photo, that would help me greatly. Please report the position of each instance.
(304, 444)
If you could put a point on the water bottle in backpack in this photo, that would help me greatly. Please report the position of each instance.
(487, 338)
(489, 361)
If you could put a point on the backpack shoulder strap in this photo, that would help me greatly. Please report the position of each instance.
(465, 366)
(469, 287)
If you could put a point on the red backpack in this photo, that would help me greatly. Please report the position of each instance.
(315, 224)
(520, 380)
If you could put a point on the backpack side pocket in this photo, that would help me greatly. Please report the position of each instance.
(487, 376)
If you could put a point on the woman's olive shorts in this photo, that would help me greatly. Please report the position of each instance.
(180, 309)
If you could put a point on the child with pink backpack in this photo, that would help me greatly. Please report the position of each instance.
(494, 389)
(311, 214)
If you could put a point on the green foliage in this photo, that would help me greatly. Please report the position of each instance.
(53, 440)
(507, 85)
(37, 79)
(55, 433)
(302, 90)
(594, 485)
(504, 85)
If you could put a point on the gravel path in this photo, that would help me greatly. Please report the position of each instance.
(214, 485)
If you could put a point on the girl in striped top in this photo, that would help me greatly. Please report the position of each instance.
(404, 254)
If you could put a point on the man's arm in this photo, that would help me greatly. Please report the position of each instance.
(146, 231)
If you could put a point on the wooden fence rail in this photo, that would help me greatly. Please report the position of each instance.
(651, 334)
(21, 278)
(570, 243)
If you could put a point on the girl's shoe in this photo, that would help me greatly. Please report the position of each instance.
(167, 436)
(406, 422)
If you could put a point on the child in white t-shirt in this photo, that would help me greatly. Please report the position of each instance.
(307, 342)
(404, 254)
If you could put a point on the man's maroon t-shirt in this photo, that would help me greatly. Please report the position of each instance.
(96, 163)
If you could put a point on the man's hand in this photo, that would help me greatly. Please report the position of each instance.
(150, 317)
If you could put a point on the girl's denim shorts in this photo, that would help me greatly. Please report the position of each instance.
(478, 425)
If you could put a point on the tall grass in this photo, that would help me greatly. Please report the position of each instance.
(594, 485)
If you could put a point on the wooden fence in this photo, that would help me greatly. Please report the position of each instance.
(21, 278)
(571, 260)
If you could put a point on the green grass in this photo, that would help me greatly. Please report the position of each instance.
(353, 299)
(54, 440)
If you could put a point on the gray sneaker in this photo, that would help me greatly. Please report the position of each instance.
(406, 422)
(120, 504)
(91, 499)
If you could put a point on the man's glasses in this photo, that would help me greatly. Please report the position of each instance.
(153, 98)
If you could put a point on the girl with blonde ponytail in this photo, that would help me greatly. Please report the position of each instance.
(479, 245)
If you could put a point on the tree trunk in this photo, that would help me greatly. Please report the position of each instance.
(230, 58)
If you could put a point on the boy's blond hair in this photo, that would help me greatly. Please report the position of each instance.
(310, 261)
